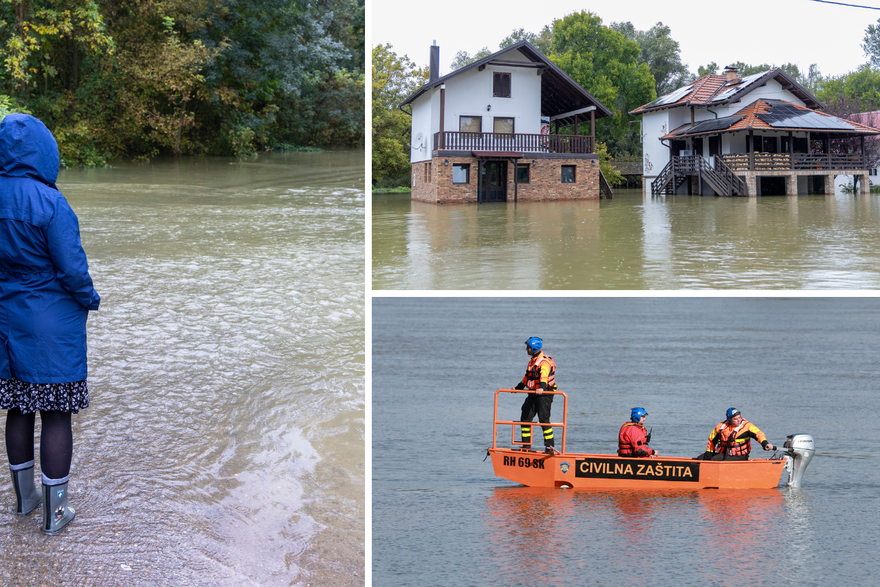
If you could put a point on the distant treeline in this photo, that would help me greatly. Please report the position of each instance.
(621, 66)
(141, 78)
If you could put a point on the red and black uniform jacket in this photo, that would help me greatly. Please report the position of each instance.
(633, 441)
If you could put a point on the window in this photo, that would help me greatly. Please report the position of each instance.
(698, 147)
(503, 125)
(522, 173)
(753, 145)
(470, 124)
(501, 85)
(568, 175)
(461, 173)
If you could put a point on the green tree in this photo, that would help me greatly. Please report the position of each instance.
(661, 52)
(861, 87)
(42, 36)
(541, 41)
(145, 77)
(606, 64)
(463, 58)
(394, 79)
(612, 175)
(710, 69)
(871, 44)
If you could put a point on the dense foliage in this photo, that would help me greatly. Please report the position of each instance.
(140, 78)
(623, 68)
(394, 79)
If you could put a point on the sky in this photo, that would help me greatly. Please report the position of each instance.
(752, 31)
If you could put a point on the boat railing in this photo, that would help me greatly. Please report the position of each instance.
(514, 423)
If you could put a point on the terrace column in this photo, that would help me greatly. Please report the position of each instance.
(442, 116)
(864, 184)
(593, 130)
(750, 142)
(791, 185)
(751, 184)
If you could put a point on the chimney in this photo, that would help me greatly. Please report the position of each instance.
(434, 67)
(732, 73)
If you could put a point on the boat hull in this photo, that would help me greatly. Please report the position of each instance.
(576, 470)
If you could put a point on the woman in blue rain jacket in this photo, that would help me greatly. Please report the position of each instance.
(45, 297)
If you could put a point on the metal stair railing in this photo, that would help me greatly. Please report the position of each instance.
(514, 423)
(604, 188)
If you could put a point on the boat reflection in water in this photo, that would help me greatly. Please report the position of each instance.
(655, 536)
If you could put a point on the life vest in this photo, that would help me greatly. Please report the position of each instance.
(735, 442)
(533, 372)
(628, 444)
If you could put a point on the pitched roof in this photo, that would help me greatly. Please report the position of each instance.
(559, 93)
(776, 115)
(715, 90)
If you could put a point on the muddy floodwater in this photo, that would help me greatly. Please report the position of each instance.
(224, 444)
(629, 242)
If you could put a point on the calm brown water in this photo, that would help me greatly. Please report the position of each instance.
(225, 440)
(629, 242)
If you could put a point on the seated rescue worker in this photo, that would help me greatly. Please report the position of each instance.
(540, 376)
(632, 441)
(731, 440)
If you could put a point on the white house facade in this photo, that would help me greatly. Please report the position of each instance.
(483, 133)
(759, 134)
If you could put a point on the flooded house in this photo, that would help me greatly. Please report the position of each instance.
(507, 128)
(872, 151)
(760, 134)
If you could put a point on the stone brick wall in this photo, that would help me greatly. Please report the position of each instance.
(424, 186)
(432, 181)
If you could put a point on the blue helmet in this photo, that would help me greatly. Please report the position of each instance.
(731, 413)
(637, 414)
(533, 345)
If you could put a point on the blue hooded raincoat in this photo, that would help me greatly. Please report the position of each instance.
(45, 288)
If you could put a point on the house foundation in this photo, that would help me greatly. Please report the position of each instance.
(796, 182)
(455, 177)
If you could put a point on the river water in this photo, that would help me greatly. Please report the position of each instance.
(629, 242)
(441, 517)
(224, 444)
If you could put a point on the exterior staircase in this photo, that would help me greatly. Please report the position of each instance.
(719, 177)
(604, 189)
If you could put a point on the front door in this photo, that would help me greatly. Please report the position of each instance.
(493, 183)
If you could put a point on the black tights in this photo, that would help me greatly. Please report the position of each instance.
(56, 441)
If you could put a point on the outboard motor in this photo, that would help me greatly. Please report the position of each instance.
(799, 449)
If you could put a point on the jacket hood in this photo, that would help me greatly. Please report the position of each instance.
(28, 149)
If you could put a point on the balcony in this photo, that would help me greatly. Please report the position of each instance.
(507, 142)
(800, 161)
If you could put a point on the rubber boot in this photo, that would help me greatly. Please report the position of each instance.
(56, 513)
(27, 496)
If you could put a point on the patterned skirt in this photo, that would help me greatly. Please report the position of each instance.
(31, 397)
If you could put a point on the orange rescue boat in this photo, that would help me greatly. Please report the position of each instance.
(597, 471)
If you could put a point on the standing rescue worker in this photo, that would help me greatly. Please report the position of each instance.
(731, 440)
(632, 440)
(540, 376)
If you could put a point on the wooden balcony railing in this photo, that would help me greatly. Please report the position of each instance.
(801, 161)
(493, 141)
